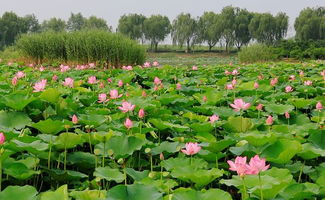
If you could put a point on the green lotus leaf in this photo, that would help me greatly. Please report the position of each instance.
(19, 193)
(61, 193)
(134, 192)
(49, 126)
(109, 174)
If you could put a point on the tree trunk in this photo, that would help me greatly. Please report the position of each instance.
(188, 46)
(210, 47)
(156, 46)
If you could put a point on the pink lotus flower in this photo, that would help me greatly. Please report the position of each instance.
(256, 85)
(213, 118)
(257, 165)
(102, 98)
(161, 156)
(260, 77)
(239, 104)
(40, 86)
(239, 166)
(75, 119)
(64, 68)
(144, 94)
(191, 148)
(194, 68)
(155, 64)
(68, 82)
(128, 68)
(322, 73)
(31, 65)
(233, 82)
(287, 115)
(141, 113)
(92, 80)
(288, 89)
(301, 73)
(54, 77)
(91, 65)
(126, 107)
(308, 82)
(128, 123)
(274, 81)
(204, 98)
(14, 81)
(269, 120)
(292, 77)
(157, 81)
(109, 80)
(229, 86)
(319, 106)
(120, 83)
(235, 72)
(178, 86)
(41, 69)
(227, 72)
(259, 107)
(101, 85)
(2, 138)
(114, 94)
(20, 74)
(146, 64)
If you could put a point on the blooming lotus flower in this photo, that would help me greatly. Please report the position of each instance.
(146, 64)
(91, 65)
(128, 68)
(40, 86)
(2, 138)
(274, 81)
(194, 68)
(256, 85)
(239, 166)
(120, 83)
(178, 86)
(114, 94)
(233, 82)
(204, 98)
(288, 89)
(287, 115)
(155, 64)
(322, 73)
(64, 68)
(75, 119)
(259, 107)
(128, 123)
(235, 72)
(20, 74)
(229, 86)
(239, 104)
(292, 77)
(308, 82)
(92, 80)
(126, 107)
(191, 148)
(227, 72)
(14, 81)
(144, 94)
(257, 165)
(319, 106)
(102, 98)
(141, 113)
(269, 120)
(109, 80)
(54, 77)
(213, 118)
(301, 73)
(157, 81)
(41, 69)
(68, 82)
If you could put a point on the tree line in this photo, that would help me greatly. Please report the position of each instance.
(231, 27)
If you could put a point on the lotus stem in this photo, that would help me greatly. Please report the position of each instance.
(49, 155)
(244, 195)
(65, 158)
(260, 181)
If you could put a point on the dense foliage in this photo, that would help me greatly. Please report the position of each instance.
(257, 53)
(82, 46)
(83, 133)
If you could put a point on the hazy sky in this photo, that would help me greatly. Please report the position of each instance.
(112, 10)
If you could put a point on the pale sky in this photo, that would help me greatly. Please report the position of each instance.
(112, 10)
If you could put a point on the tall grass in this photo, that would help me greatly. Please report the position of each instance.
(256, 53)
(83, 46)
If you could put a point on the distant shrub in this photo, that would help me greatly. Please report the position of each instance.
(256, 53)
(82, 46)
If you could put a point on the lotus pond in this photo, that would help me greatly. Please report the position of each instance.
(162, 132)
